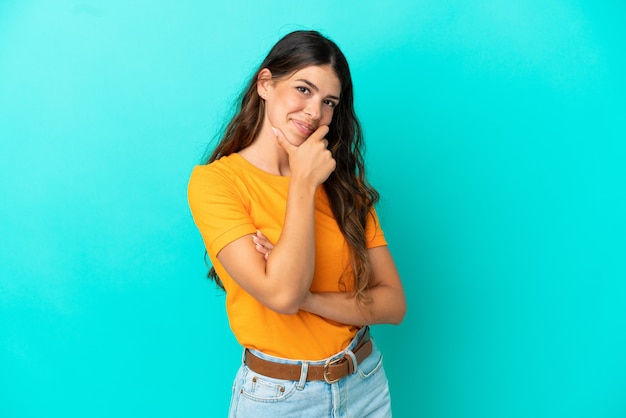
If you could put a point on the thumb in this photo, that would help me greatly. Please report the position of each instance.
(283, 141)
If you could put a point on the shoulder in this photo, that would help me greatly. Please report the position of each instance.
(216, 168)
(209, 181)
(212, 174)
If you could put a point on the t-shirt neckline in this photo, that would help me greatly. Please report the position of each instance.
(248, 166)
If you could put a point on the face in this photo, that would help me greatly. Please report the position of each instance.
(300, 103)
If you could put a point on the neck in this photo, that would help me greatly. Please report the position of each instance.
(266, 154)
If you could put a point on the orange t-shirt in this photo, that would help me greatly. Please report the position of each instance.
(230, 198)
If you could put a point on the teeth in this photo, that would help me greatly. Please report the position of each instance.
(306, 127)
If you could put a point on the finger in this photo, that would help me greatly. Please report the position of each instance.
(261, 249)
(259, 238)
(319, 134)
(263, 240)
(258, 245)
(283, 141)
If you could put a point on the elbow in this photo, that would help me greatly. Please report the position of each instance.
(286, 303)
(391, 315)
(394, 308)
(285, 309)
(399, 318)
(398, 314)
(400, 308)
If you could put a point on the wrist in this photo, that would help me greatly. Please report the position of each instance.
(304, 185)
(308, 302)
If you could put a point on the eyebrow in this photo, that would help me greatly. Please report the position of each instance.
(314, 87)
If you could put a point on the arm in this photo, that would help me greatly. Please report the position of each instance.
(388, 300)
(282, 282)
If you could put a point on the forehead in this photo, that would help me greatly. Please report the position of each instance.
(323, 76)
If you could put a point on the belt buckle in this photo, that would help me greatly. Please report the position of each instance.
(327, 365)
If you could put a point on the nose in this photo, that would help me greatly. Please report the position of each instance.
(313, 109)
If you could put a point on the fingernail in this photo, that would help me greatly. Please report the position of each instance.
(275, 131)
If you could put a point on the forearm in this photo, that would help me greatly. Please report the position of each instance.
(291, 267)
(388, 306)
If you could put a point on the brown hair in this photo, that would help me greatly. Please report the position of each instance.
(351, 197)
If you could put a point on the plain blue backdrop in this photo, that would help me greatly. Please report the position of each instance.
(495, 135)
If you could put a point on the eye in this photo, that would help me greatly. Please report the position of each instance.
(330, 103)
(303, 90)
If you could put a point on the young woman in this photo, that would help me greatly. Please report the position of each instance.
(289, 224)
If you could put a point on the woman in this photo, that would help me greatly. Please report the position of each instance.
(300, 294)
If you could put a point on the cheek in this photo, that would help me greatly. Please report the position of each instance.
(327, 117)
(287, 104)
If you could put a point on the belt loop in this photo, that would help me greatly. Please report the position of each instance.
(243, 356)
(352, 365)
(303, 375)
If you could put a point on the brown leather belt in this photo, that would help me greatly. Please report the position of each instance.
(331, 372)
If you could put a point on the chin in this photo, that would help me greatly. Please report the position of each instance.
(296, 138)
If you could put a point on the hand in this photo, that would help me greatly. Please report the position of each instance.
(262, 244)
(311, 159)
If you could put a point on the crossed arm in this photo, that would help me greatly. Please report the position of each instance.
(386, 292)
(282, 281)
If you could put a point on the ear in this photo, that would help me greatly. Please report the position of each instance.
(263, 81)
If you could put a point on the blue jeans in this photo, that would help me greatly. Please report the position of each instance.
(365, 393)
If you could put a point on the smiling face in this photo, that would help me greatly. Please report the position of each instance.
(300, 103)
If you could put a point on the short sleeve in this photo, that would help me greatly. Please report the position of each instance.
(373, 231)
(219, 210)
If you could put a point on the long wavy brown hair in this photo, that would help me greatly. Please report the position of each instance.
(350, 195)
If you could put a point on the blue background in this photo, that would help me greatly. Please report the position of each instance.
(495, 135)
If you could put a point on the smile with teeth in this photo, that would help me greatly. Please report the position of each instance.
(303, 127)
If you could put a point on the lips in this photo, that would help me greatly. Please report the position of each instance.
(304, 128)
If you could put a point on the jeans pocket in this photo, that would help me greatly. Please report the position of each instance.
(261, 388)
(371, 365)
